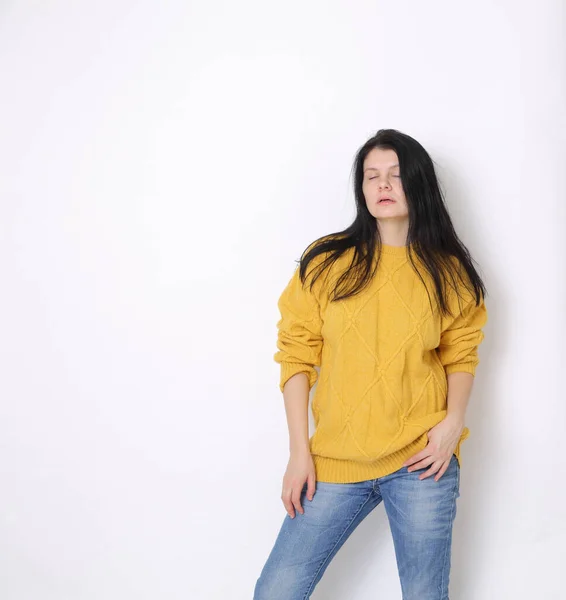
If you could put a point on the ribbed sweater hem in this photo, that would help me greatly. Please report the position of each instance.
(333, 470)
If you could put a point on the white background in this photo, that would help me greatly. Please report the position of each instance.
(163, 165)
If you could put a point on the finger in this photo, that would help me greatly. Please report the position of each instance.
(433, 469)
(286, 498)
(422, 464)
(311, 483)
(418, 456)
(296, 498)
(442, 470)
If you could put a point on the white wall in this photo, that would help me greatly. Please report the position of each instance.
(162, 166)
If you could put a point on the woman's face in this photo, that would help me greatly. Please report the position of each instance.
(382, 179)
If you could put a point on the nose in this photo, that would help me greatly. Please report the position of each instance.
(383, 183)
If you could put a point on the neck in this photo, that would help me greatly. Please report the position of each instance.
(393, 233)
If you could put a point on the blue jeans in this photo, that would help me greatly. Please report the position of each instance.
(420, 514)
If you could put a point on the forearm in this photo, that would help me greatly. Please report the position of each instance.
(296, 397)
(459, 390)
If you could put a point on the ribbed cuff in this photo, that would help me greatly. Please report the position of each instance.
(468, 367)
(289, 369)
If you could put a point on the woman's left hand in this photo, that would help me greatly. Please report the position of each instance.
(442, 440)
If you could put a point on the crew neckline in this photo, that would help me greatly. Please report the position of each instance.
(394, 250)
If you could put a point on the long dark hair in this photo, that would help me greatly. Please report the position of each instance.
(431, 235)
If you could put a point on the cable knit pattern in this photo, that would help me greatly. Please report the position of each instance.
(380, 361)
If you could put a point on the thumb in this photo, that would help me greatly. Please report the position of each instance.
(311, 485)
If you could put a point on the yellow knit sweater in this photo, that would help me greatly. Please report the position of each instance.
(383, 357)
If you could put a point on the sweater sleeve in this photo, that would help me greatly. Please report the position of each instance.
(461, 334)
(299, 339)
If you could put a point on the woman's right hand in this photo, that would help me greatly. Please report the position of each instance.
(300, 468)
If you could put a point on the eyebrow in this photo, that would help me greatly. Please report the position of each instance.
(376, 169)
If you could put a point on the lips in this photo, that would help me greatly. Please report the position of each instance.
(386, 200)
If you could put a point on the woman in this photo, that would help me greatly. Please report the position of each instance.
(393, 317)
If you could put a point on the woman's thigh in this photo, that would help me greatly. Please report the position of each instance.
(421, 513)
(307, 543)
